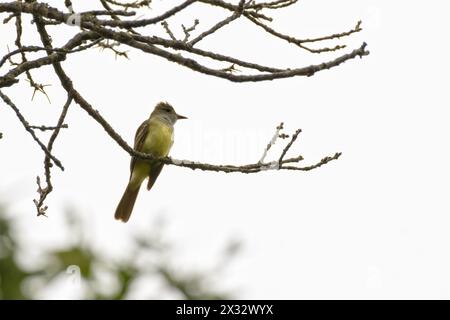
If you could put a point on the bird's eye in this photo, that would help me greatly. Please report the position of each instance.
(167, 110)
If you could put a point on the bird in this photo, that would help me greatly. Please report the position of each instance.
(155, 137)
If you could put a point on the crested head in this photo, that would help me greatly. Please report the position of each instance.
(165, 112)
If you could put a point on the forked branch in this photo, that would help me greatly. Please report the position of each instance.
(118, 24)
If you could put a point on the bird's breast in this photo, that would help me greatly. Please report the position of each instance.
(159, 139)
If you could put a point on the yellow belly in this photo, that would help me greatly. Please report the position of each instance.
(159, 139)
(158, 143)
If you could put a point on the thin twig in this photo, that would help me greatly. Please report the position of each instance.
(271, 142)
(45, 191)
(166, 27)
(10, 78)
(220, 24)
(187, 31)
(26, 125)
(48, 128)
(37, 48)
(288, 146)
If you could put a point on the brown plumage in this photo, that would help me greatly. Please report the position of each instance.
(126, 204)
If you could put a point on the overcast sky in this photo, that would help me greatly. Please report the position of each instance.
(373, 224)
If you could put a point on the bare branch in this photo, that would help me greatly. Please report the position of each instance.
(68, 86)
(272, 4)
(148, 47)
(146, 22)
(300, 42)
(215, 56)
(48, 128)
(288, 146)
(57, 55)
(7, 56)
(187, 31)
(133, 5)
(112, 46)
(168, 31)
(220, 24)
(112, 27)
(356, 29)
(322, 162)
(45, 191)
(36, 86)
(109, 13)
(129, 40)
(231, 7)
(272, 142)
(26, 125)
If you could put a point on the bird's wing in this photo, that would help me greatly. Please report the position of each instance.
(155, 170)
(139, 139)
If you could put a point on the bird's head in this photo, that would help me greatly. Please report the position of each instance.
(166, 112)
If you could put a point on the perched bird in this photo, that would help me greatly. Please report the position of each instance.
(154, 136)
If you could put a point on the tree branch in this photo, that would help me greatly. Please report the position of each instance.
(135, 41)
(26, 125)
(220, 24)
(56, 55)
(109, 28)
(45, 191)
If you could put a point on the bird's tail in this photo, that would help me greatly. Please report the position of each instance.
(126, 204)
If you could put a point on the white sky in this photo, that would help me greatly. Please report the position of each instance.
(373, 224)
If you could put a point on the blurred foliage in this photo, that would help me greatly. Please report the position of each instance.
(11, 275)
(83, 264)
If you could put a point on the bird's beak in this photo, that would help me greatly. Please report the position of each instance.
(179, 117)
